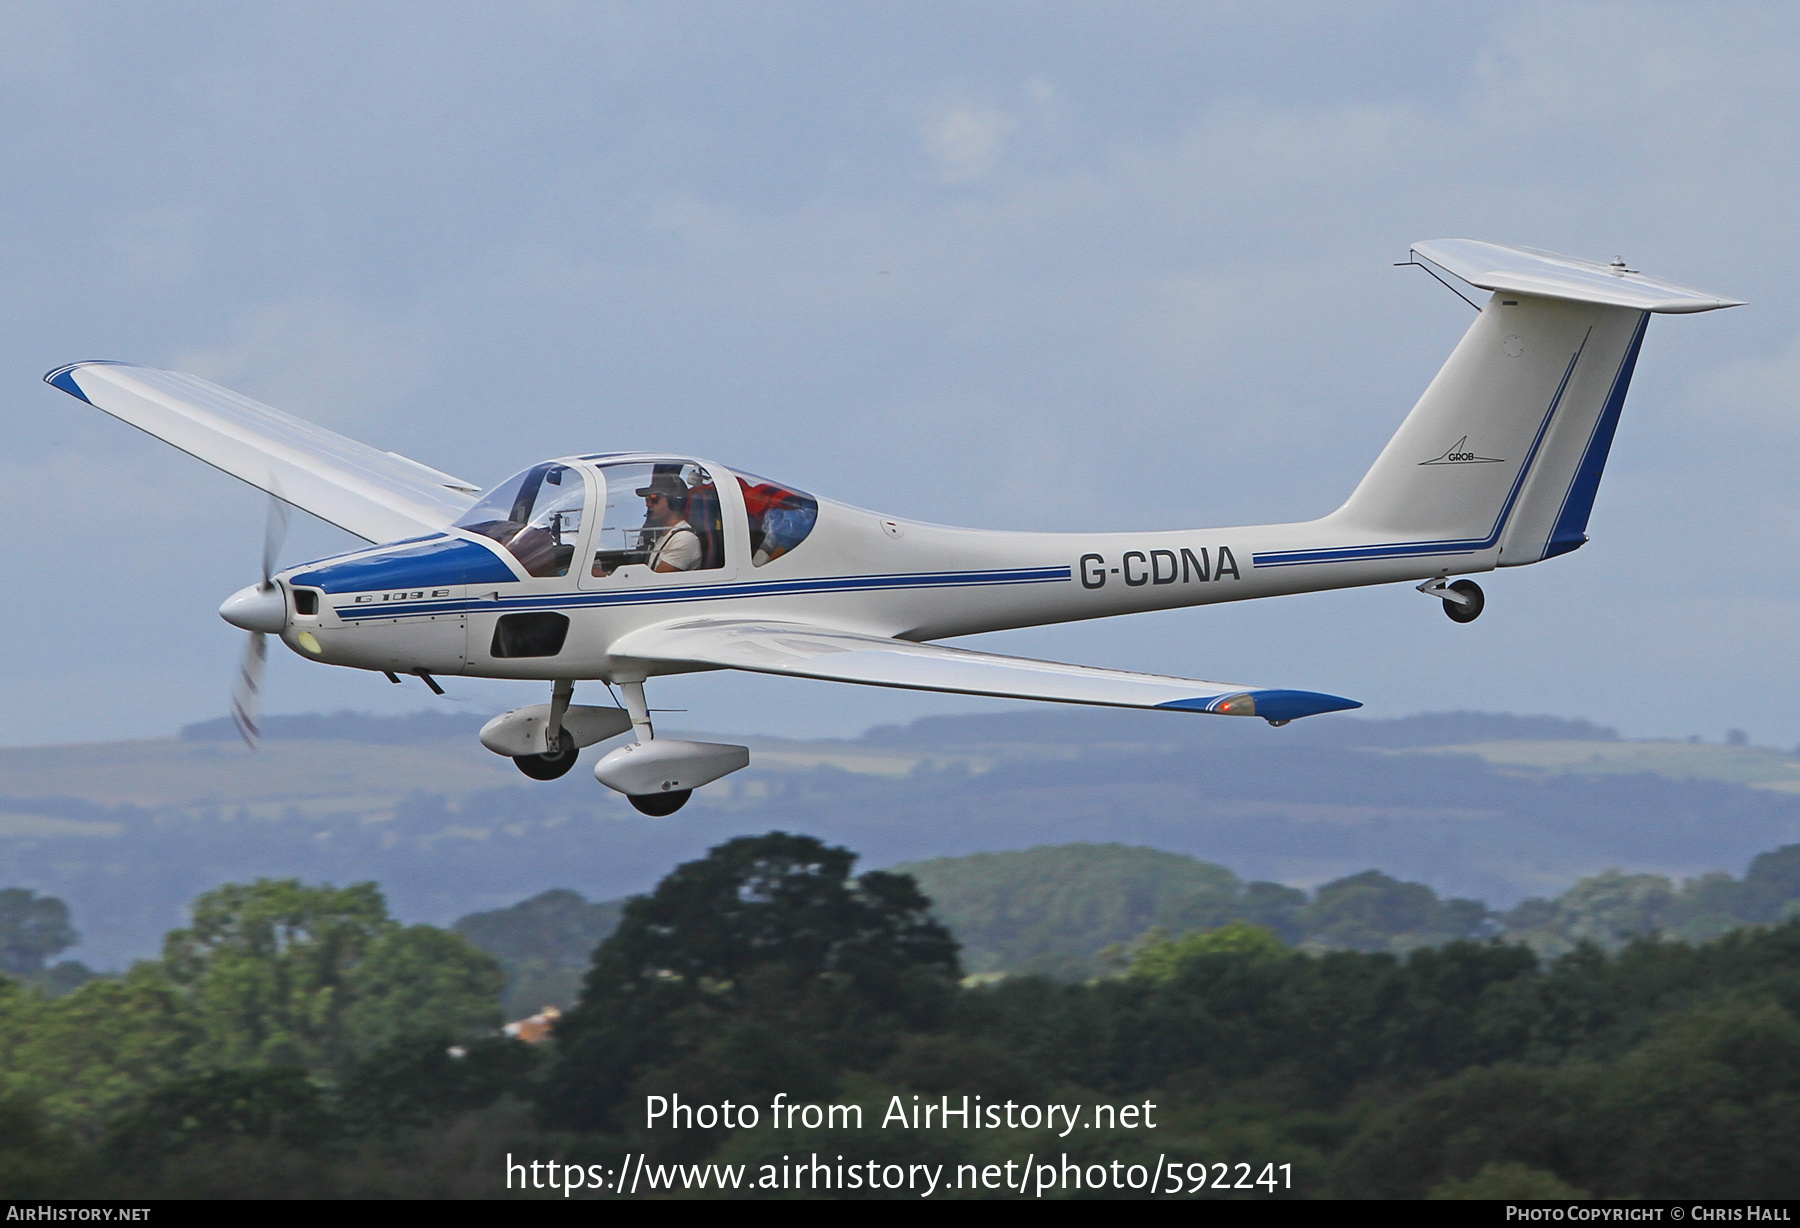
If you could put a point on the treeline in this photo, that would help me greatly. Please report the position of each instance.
(1074, 912)
(1077, 911)
(297, 1041)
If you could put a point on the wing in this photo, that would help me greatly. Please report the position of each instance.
(379, 496)
(802, 651)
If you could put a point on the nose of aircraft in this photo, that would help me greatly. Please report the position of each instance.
(255, 608)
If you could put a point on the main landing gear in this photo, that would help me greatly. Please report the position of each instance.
(564, 750)
(1463, 600)
(656, 805)
(656, 775)
(551, 766)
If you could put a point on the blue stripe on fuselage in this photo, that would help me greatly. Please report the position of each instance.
(710, 592)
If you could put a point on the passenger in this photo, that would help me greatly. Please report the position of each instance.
(676, 545)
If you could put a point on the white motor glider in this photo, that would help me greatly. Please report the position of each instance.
(621, 567)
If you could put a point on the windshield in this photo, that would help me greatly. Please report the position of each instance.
(536, 515)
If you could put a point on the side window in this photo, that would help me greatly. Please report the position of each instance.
(780, 517)
(664, 516)
(536, 515)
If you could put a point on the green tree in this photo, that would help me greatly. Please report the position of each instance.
(1372, 911)
(1772, 881)
(281, 974)
(1607, 909)
(420, 979)
(1049, 909)
(544, 943)
(274, 1103)
(1166, 960)
(37, 1160)
(1507, 1181)
(85, 1056)
(1275, 907)
(558, 926)
(416, 1081)
(1708, 1106)
(762, 966)
(1450, 1132)
(32, 928)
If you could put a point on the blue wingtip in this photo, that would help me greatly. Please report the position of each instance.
(1280, 706)
(64, 377)
(1290, 705)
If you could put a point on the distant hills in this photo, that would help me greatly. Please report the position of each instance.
(1074, 726)
(1477, 806)
(1056, 910)
(409, 730)
(1078, 911)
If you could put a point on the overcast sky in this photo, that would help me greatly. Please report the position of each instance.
(1025, 265)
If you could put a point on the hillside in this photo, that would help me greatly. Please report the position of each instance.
(1047, 909)
(1065, 911)
(1489, 807)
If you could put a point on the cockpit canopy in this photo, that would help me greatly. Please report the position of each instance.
(665, 515)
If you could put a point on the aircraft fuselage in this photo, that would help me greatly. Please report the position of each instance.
(436, 605)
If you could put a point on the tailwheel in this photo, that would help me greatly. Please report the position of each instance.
(659, 804)
(549, 767)
(1469, 608)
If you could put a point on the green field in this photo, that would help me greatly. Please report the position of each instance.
(1757, 766)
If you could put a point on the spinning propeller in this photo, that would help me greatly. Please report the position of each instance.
(259, 609)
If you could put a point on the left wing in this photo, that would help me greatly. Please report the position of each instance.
(379, 496)
(801, 651)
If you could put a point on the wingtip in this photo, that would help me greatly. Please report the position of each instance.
(63, 377)
(1281, 706)
(1291, 705)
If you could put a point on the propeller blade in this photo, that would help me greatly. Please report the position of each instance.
(274, 533)
(246, 696)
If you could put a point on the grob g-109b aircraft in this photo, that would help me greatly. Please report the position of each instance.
(622, 567)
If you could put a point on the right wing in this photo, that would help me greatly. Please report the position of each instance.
(379, 496)
(803, 651)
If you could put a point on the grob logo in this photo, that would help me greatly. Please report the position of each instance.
(1458, 454)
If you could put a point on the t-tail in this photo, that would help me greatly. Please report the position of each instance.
(1499, 462)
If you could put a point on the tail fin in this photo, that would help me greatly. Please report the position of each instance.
(1504, 452)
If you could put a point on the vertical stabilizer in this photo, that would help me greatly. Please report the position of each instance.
(1499, 461)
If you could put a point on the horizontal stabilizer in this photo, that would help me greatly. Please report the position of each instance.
(379, 496)
(1526, 270)
(802, 651)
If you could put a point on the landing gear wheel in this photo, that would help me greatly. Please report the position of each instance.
(1465, 611)
(549, 767)
(659, 804)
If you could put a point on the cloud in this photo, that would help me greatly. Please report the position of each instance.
(964, 140)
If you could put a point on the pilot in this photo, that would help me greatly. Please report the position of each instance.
(677, 545)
